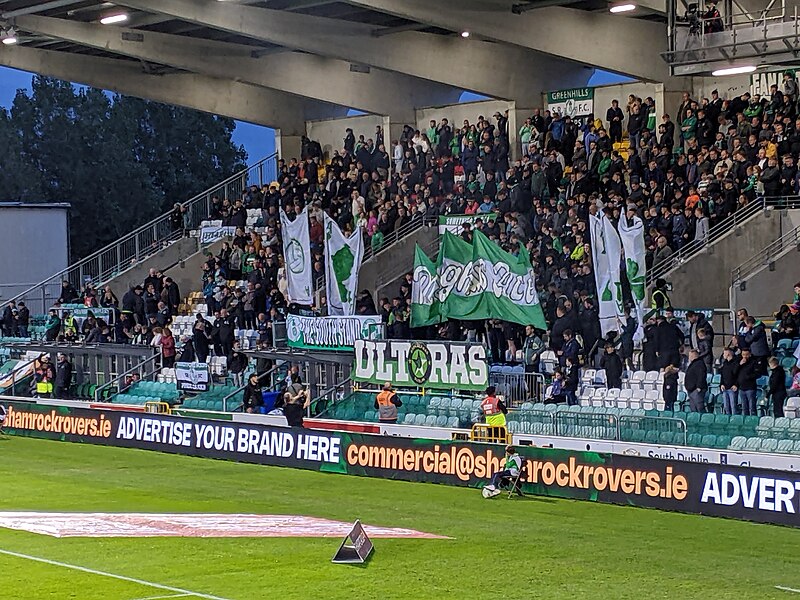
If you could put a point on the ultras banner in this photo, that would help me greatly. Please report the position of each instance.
(716, 490)
(434, 365)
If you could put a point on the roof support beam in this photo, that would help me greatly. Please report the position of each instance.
(240, 101)
(465, 63)
(37, 8)
(573, 34)
(325, 79)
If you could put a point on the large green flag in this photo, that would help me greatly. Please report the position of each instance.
(477, 281)
(423, 288)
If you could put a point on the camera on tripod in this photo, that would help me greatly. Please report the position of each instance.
(692, 18)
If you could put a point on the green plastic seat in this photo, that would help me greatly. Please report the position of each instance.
(723, 441)
(409, 419)
(785, 446)
(665, 437)
(780, 429)
(693, 420)
(709, 441)
(651, 437)
(765, 425)
(769, 445)
(750, 425)
(794, 430)
(753, 444)
(738, 442)
(721, 424)
(695, 440)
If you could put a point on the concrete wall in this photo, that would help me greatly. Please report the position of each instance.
(768, 288)
(330, 132)
(381, 273)
(705, 280)
(163, 259)
(38, 240)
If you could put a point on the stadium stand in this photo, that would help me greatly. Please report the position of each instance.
(682, 185)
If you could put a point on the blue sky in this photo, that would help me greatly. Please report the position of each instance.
(258, 141)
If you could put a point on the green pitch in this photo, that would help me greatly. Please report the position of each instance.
(548, 548)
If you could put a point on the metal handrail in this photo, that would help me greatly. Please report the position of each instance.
(324, 394)
(766, 255)
(721, 229)
(241, 388)
(416, 223)
(431, 248)
(130, 250)
(137, 368)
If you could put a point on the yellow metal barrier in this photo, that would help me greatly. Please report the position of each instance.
(482, 432)
(157, 407)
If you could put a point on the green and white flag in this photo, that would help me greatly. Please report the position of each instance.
(477, 281)
(635, 267)
(342, 262)
(423, 288)
(297, 256)
(606, 252)
(454, 223)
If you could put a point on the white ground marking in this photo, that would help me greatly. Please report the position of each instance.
(158, 586)
(164, 597)
(787, 589)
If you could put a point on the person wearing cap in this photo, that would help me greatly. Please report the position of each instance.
(511, 468)
(63, 379)
(387, 403)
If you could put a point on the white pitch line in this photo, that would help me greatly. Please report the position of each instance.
(164, 597)
(167, 588)
(787, 589)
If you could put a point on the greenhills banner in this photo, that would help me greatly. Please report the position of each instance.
(454, 223)
(474, 282)
(331, 333)
(435, 365)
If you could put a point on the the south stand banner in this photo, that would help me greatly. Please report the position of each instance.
(474, 282)
(331, 333)
(421, 364)
(761, 495)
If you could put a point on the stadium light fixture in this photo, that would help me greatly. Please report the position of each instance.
(9, 36)
(733, 71)
(621, 8)
(465, 34)
(111, 19)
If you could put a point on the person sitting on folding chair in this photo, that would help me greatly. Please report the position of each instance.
(507, 476)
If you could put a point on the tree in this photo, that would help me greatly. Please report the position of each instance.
(119, 161)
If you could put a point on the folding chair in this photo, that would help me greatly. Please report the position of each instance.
(516, 484)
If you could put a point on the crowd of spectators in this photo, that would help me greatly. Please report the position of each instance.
(680, 177)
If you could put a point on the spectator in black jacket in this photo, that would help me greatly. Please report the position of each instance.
(237, 363)
(670, 387)
(253, 398)
(755, 338)
(64, 377)
(696, 382)
(668, 340)
(705, 350)
(572, 381)
(728, 384)
(612, 363)
(747, 382)
(777, 387)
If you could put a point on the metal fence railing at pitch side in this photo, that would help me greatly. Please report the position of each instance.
(600, 426)
(517, 388)
(653, 430)
(789, 240)
(721, 229)
(143, 242)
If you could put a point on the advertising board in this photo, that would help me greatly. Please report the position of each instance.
(710, 489)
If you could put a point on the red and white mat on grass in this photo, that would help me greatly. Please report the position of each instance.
(190, 525)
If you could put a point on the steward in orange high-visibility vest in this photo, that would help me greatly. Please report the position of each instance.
(386, 404)
(493, 408)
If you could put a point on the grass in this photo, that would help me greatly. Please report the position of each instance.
(550, 548)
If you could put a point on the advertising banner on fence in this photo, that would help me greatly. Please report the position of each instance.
(331, 333)
(192, 377)
(575, 102)
(436, 365)
(209, 235)
(453, 223)
(718, 490)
